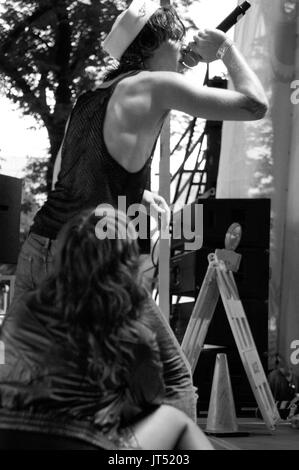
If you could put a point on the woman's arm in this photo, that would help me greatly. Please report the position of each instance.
(179, 389)
(248, 101)
(146, 376)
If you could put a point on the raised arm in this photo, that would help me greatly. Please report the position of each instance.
(247, 102)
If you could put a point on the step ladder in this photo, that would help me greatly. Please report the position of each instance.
(219, 281)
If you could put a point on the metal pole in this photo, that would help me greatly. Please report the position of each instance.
(164, 190)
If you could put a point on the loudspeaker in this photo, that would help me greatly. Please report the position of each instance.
(187, 271)
(10, 209)
(218, 214)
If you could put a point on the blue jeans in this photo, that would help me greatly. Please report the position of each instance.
(35, 263)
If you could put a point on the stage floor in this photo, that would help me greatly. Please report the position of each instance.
(259, 438)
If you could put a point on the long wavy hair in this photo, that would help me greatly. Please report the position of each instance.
(163, 25)
(97, 286)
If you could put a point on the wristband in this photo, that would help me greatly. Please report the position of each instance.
(225, 46)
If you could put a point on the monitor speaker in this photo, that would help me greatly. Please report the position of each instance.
(187, 272)
(10, 210)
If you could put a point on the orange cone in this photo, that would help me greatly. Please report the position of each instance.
(222, 419)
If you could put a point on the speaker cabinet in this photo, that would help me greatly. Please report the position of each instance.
(10, 209)
(187, 271)
(218, 214)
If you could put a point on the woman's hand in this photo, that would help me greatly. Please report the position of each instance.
(207, 42)
(158, 203)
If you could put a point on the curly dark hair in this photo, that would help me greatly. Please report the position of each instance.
(164, 24)
(97, 286)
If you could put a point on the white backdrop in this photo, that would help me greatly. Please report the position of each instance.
(261, 159)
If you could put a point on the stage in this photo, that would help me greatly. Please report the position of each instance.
(259, 438)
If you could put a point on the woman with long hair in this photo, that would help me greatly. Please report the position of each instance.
(82, 353)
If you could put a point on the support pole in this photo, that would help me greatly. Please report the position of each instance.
(164, 191)
(164, 247)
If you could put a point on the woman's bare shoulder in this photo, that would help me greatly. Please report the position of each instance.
(145, 81)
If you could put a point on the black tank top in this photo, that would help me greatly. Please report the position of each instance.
(89, 176)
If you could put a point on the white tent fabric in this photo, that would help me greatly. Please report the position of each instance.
(261, 159)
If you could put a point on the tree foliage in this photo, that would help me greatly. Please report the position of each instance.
(50, 51)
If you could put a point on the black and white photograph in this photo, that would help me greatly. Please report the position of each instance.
(149, 228)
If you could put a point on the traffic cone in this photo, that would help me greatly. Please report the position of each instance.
(222, 419)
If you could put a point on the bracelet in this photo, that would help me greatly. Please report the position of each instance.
(225, 46)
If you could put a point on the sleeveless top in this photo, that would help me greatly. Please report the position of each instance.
(89, 175)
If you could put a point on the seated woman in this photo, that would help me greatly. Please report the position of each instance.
(84, 358)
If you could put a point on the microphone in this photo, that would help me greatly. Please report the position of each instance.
(234, 17)
(190, 58)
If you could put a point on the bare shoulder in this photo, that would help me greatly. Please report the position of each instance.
(152, 91)
(134, 84)
(151, 82)
(138, 96)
